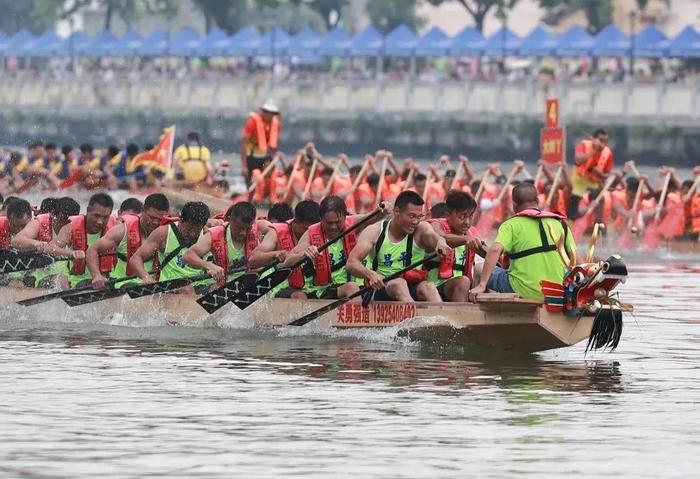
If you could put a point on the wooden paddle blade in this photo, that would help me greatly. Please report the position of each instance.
(141, 290)
(12, 262)
(222, 295)
(260, 288)
(92, 297)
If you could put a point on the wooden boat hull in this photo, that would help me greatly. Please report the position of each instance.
(502, 322)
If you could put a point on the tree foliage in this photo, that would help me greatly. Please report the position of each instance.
(598, 12)
(478, 9)
(388, 14)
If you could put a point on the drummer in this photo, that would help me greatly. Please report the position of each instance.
(192, 160)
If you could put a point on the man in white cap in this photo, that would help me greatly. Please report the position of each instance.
(260, 139)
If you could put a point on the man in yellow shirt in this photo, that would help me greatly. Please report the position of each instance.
(529, 238)
(192, 160)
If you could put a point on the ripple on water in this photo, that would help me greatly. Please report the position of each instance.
(84, 396)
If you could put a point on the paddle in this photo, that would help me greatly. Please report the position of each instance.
(380, 186)
(553, 188)
(12, 261)
(625, 241)
(488, 221)
(216, 299)
(263, 174)
(140, 290)
(329, 186)
(650, 240)
(310, 179)
(580, 225)
(330, 307)
(290, 180)
(68, 292)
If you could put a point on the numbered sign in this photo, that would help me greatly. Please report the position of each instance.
(552, 113)
(552, 145)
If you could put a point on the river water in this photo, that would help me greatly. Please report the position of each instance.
(81, 400)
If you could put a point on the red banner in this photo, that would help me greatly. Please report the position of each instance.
(552, 145)
(161, 155)
(552, 113)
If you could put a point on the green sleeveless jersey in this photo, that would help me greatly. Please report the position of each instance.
(393, 257)
(74, 279)
(119, 270)
(339, 274)
(234, 254)
(176, 267)
(457, 269)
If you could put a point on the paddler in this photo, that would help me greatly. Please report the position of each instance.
(130, 206)
(84, 230)
(171, 242)
(283, 236)
(122, 167)
(326, 275)
(233, 241)
(126, 237)
(535, 242)
(18, 214)
(260, 138)
(594, 161)
(192, 160)
(394, 244)
(453, 274)
(39, 233)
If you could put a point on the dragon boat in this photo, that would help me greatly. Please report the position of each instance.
(581, 308)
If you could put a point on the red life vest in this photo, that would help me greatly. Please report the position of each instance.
(538, 213)
(132, 223)
(285, 240)
(219, 248)
(446, 268)
(45, 227)
(79, 241)
(322, 263)
(4, 232)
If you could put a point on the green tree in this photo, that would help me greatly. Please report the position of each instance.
(388, 14)
(598, 12)
(229, 15)
(478, 9)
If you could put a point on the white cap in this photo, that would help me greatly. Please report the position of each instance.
(270, 106)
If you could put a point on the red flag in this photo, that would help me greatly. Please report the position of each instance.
(161, 155)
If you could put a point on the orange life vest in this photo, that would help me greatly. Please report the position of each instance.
(695, 213)
(585, 169)
(447, 263)
(285, 240)
(219, 248)
(322, 263)
(4, 232)
(268, 187)
(45, 221)
(79, 241)
(263, 141)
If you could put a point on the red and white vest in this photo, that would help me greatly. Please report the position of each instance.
(219, 248)
(79, 241)
(45, 227)
(322, 263)
(446, 268)
(285, 240)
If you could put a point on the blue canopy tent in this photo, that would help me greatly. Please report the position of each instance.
(185, 43)
(336, 43)
(368, 43)
(243, 43)
(651, 43)
(468, 42)
(11, 46)
(214, 43)
(49, 44)
(686, 44)
(127, 46)
(274, 43)
(102, 45)
(575, 42)
(155, 45)
(305, 43)
(502, 42)
(538, 43)
(611, 42)
(77, 42)
(435, 43)
(400, 42)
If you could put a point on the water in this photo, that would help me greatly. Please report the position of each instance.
(78, 400)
